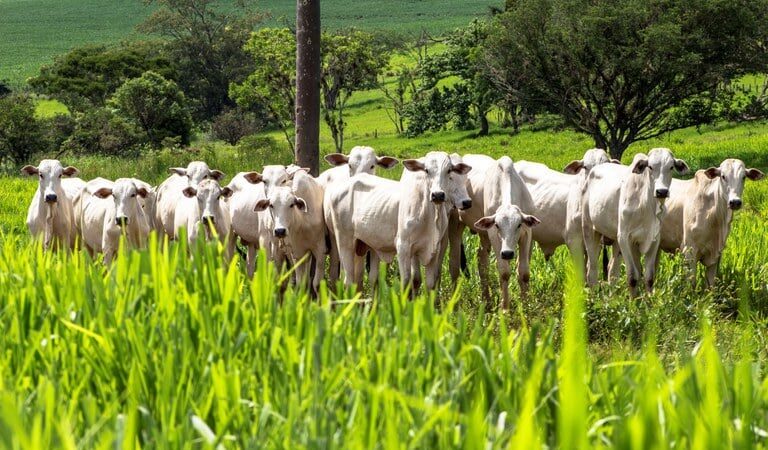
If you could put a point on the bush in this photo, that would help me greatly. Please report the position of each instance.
(101, 131)
(56, 130)
(156, 105)
(234, 124)
(21, 135)
(4, 89)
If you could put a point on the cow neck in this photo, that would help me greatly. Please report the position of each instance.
(716, 215)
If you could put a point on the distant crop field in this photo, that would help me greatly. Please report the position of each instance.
(34, 31)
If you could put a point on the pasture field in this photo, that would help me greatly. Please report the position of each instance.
(161, 350)
(34, 31)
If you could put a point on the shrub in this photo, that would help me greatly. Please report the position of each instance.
(101, 131)
(234, 124)
(20, 132)
(56, 130)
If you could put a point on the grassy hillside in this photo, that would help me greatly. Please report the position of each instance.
(34, 31)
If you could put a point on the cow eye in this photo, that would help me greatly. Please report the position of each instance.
(41, 176)
(519, 225)
(372, 167)
(271, 206)
(134, 195)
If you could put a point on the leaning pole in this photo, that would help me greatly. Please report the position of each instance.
(308, 85)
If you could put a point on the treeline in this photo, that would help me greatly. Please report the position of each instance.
(620, 71)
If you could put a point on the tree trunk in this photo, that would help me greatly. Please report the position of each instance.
(482, 116)
(308, 84)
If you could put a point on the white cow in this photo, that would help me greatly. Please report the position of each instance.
(169, 193)
(499, 213)
(557, 200)
(297, 214)
(109, 210)
(253, 229)
(204, 207)
(360, 160)
(50, 214)
(699, 213)
(625, 204)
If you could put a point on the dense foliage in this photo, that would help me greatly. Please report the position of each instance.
(20, 133)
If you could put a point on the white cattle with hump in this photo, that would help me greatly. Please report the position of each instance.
(699, 213)
(51, 213)
(108, 210)
(204, 209)
(500, 212)
(625, 204)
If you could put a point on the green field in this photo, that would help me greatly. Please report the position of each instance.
(34, 31)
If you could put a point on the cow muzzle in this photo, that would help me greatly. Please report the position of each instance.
(51, 198)
(438, 197)
(209, 219)
(662, 193)
(465, 204)
(280, 232)
(121, 221)
(734, 204)
(507, 254)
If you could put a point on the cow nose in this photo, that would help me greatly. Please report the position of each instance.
(280, 232)
(208, 219)
(466, 204)
(121, 221)
(734, 203)
(51, 198)
(662, 193)
(507, 254)
(438, 197)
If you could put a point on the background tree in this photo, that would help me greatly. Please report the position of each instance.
(4, 88)
(156, 105)
(206, 43)
(350, 63)
(308, 84)
(234, 124)
(88, 76)
(617, 69)
(20, 133)
(272, 83)
(104, 132)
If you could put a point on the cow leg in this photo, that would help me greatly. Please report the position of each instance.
(455, 230)
(347, 260)
(415, 277)
(592, 249)
(712, 272)
(482, 265)
(404, 259)
(319, 257)
(250, 260)
(524, 261)
(651, 263)
(632, 263)
(373, 272)
(333, 260)
(614, 266)
(504, 275)
(433, 267)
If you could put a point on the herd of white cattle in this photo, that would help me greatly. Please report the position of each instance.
(348, 212)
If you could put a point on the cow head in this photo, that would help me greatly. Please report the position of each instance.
(441, 177)
(592, 158)
(509, 221)
(661, 163)
(274, 176)
(733, 173)
(126, 196)
(361, 160)
(49, 173)
(283, 205)
(208, 193)
(196, 172)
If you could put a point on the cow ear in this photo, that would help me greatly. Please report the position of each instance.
(755, 174)
(387, 162)
(615, 161)
(29, 170)
(189, 192)
(639, 165)
(461, 168)
(142, 192)
(337, 159)
(103, 192)
(712, 173)
(216, 174)
(180, 171)
(261, 205)
(292, 171)
(681, 167)
(70, 171)
(574, 167)
(253, 177)
(530, 221)
(414, 165)
(486, 223)
(301, 204)
(226, 192)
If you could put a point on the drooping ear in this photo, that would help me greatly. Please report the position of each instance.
(712, 173)
(226, 192)
(755, 174)
(681, 167)
(486, 223)
(337, 159)
(639, 165)
(574, 167)
(216, 174)
(142, 192)
(414, 165)
(189, 192)
(387, 162)
(180, 171)
(261, 205)
(29, 170)
(615, 161)
(253, 177)
(70, 171)
(530, 221)
(461, 168)
(301, 204)
(292, 171)
(103, 192)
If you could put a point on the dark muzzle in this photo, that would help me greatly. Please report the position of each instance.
(662, 193)
(734, 204)
(280, 232)
(121, 221)
(51, 198)
(507, 254)
(466, 204)
(438, 197)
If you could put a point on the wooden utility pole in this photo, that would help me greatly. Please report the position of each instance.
(308, 84)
